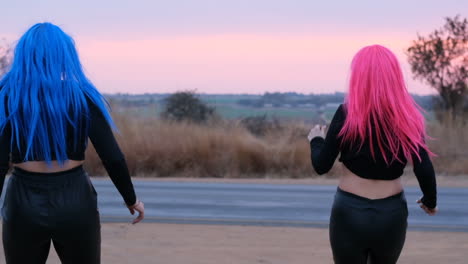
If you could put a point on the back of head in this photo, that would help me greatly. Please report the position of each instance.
(379, 107)
(46, 91)
(46, 52)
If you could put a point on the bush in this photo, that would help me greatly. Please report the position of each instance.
(259, 125)
(186, 106)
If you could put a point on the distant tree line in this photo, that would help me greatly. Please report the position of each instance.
(314, 100)
(292, 100)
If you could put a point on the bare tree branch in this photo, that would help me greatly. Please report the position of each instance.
(441, 60)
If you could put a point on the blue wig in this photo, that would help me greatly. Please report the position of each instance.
(45, 94)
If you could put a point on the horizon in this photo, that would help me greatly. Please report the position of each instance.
(239, 94)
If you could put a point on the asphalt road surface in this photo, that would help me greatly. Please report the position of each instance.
(262, 204)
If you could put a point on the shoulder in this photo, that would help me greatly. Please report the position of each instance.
(92, 106)
(340, 113)
(341, 108)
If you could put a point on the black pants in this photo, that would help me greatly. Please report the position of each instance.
(364, 230)
(41, 208)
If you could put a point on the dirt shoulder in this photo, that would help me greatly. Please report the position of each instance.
(211, 244)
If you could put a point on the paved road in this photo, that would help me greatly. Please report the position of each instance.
(263, 204)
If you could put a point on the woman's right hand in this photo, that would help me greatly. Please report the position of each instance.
(316, 131)
(139, 206)
(429, 211)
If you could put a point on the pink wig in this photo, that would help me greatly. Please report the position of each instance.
(380, 109)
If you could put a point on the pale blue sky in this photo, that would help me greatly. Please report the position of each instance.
(105, 17)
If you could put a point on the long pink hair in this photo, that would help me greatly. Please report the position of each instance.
(379, 107)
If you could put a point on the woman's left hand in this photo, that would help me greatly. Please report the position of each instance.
(429, 211)
(316, 131)
(139, 207)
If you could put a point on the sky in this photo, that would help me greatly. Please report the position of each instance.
(236, 46)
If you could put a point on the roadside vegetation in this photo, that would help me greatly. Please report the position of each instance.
(256, 146)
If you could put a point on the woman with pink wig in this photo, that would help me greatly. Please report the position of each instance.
(377, 131)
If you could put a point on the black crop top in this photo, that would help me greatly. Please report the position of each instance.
(100, 134)
(361, 163)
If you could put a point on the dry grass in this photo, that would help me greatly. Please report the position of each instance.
(157, 148)
(450, 144)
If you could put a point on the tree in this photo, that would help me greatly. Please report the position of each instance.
(186, 106)
(5, 59)
(441, 60)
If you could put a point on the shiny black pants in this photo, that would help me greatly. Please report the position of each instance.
(363, 230)
(41, 208)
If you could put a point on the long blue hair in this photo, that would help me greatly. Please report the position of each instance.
(45, 94)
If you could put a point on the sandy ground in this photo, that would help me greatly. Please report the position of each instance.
(209, 244)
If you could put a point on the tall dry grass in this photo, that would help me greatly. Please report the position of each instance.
(450, 145)
(158, 148)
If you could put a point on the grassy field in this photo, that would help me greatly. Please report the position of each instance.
(231, 111)
(226, 106)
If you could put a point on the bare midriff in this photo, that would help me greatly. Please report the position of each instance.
(372, 189)
(43, 167)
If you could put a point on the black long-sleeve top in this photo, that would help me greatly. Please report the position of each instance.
(360, 161)
(101, 135)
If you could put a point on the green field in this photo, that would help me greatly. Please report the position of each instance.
(227, 107)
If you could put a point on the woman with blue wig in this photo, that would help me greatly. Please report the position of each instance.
(49, 111)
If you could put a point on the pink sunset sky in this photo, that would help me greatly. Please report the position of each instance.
(237, 46)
